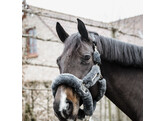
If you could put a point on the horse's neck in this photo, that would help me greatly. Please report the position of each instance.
(124, 82)
(124, 87)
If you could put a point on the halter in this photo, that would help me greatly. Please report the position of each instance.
(81, 87)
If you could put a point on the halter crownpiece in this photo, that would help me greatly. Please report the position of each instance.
(96, 54)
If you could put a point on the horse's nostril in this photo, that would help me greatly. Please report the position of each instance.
(68, 109)
(67, 106)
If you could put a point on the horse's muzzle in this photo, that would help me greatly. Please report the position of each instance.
(81, 87)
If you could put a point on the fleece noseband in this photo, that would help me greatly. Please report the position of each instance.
(81, 87)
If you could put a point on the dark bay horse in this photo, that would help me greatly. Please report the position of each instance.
(121, 66)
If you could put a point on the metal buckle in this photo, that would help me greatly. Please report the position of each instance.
(95, 76)
(96, 49)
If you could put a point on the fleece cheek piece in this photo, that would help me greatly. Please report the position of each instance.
(92, 77)
(102, 89)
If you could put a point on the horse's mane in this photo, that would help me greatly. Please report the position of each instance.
(120, 52)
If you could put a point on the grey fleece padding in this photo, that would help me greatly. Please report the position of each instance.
(101, 92)
(92, 77)
(96, 57)
(102, 89)
(80, 89)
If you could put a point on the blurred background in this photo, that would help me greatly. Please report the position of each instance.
(120, 19)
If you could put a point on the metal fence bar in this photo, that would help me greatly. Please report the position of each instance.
(118, 113)
(109, 110)
(105, 109)
(100, 110)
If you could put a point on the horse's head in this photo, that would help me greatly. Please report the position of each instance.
(76, 59)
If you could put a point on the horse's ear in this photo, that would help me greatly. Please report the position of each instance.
(82, 29)
(61, 32)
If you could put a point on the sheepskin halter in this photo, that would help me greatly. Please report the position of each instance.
(81, 86)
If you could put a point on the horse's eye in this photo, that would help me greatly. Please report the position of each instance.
(87, 57)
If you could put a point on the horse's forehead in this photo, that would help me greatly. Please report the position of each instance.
(87, 47)
(83, 48)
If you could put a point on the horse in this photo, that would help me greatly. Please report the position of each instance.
(121, 66)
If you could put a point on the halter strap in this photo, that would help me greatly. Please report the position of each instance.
(96, 54)
(94, 76)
